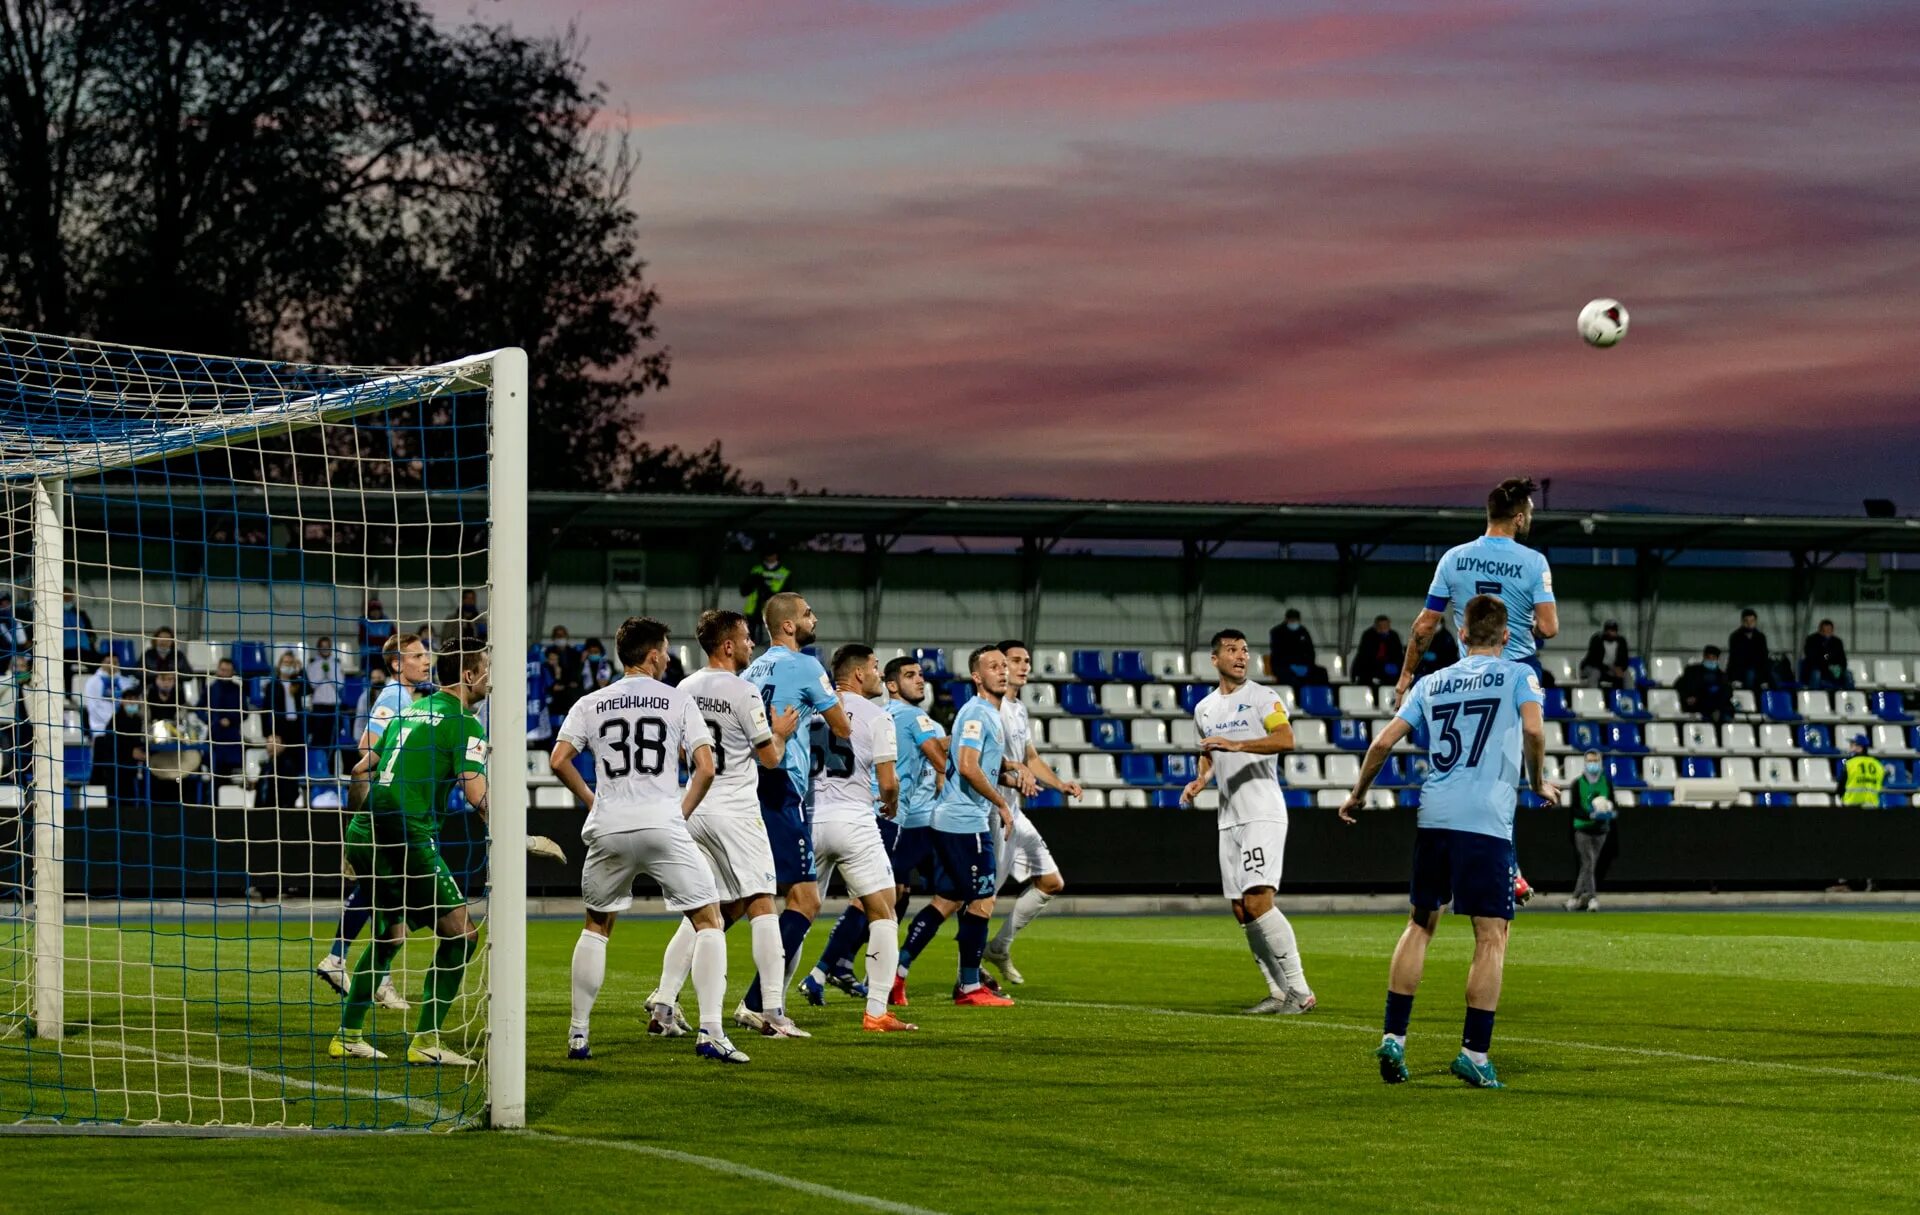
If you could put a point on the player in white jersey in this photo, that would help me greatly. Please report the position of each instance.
(1243, 728)
(856, 778)
(727, 825)
(1024, 856)
(639, 731)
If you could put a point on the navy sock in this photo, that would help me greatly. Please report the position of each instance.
(848, 934)
(900, 905)
(973, 944)
(793, 934)
(1399, 1012)
(354, 915)
(1478, 1034)
(920, 934)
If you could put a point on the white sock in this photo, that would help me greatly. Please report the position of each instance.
(1032, 902)
(770, 960)
(675, 964)
(1257, 943)
(589, 972)
(1400, 1038)
(883, 954)
(1478, 1056)
(1284, 949)
(710, 976)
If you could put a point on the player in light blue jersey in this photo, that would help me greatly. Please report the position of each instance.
(1496, 564)
(1483, 722)
(968, 811)
(789, 679)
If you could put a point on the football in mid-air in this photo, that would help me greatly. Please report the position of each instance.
(1603, 322)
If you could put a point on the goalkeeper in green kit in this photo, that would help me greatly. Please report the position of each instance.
(429, 745)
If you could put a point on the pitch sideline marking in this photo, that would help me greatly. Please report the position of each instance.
(731, 1169)
(1645, 1052)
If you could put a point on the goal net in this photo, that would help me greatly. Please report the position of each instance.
(203, 559)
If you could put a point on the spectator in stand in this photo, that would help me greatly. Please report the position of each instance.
(13, 633)
(120, 753)
(564, 675)
(1376, 660)
(324, 675)
(467, 621)
(1605, 665)
(1594, 805)
(1705, 689)
(363, 709)
(77, 640)
(13, 716)
(596, 668)
(163, 656)
(226, 701)
(1823, 664)
(1442, 652)
(286, 700)
(427, 638)
(163, 697)
(1748, 659)
(102, 692)
(1290, 650)
(375, 629)
(763, 582)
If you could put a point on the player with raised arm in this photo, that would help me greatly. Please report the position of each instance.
(787, 679)
(639, 731)
(429, 746)
(1024, 856)
(1243, 726)
(727, 825)
(856, 779)
(1482, 715)
(965, 818)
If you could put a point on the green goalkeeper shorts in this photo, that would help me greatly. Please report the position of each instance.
(411, 882)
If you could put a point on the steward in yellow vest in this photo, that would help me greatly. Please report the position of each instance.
(1866, 776)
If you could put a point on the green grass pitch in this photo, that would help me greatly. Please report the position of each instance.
(1739, 1061)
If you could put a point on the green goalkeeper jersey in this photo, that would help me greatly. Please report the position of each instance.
(431, 743)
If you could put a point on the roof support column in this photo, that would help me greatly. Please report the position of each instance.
(1033, 549)
(1346, 589)
(1193, 588)
(873, 551)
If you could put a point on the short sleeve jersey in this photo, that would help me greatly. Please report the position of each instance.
(1471, 712)
(1494, 565)
(431, 743)
(1249, 784)
(736, 719)
(637, 731)
(392, 699)
(789, 678)
(849, 774)
(1013, 716)
(961, 809)
(911, 727)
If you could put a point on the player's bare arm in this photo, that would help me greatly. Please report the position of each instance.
(1278, 741)
(1533, 734)
(783, 724)
(1013, 776)
(562, 765)
(1546, 620)
(473, 786)
(935, 749)
(1191, 793)
(969, 769)
(888, 779)
(837, 721)
(700, 781)
(1383, 744)
(1043, 773)
(1425, 625)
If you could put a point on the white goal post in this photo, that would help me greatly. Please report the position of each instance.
(203, 558)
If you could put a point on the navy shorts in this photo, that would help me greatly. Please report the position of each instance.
(1474, 872)
(787, 830)
(911, 849)
(963, 865)
(1532, 662)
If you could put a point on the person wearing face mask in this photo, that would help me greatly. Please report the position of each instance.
(1705, 689)
(163, 656)
(1593, 811)
(226, 703)
(1290, 650)
(287, 700)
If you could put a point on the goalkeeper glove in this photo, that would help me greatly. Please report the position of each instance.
(540, 845)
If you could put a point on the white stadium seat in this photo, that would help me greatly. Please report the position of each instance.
(1062, 766)
(1068, 732)
(1663, 738)
(253, 728)
(1745, 799)
(1778, 772)
(1891, 740)
(1816, 773)
(1150, 734)
(1184, 734)
(1092, 799)
(1563, 670)
(1744, 701)
(1041, 699)
(1665, 668)
(1310, 734)
(552, 797)
(1572, 768)
(1861, 671)
(1356, 700)
(1288, 701)
(1777, 739)
(1127, 799)
(1556, 736)
(1852, 706)
(1209, 799)
(1590, 703)
(1622, 798)
(1333, 799)
(1815, 706)
(1342, 769)
(1099, 769)
(1891, 673)
(1739, 770)
(1303, 771)
(1170, 665)
(1738, 739)
(232, 797)
(1052, 664)
(1814, 799)
(1120, 699)
(1658, 771)
(1663, 702)
(1701, 738)
(1161, 700)
(253, 762)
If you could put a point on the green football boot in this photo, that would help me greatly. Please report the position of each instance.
(1480, 1075)
(1393, 1061)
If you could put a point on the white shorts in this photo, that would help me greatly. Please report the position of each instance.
(1250, 856)
(857, 851)
(1025, 856)
(666, 854)
(737, 853)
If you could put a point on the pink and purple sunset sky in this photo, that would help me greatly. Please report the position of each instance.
(1280, 251)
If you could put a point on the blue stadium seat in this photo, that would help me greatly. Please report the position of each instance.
(1110, 734)
(1815, 740)
(961, 690)
(1090, 665)
(1131, 666)
(1895, 801)
(124, 653)
(1638, 668)
(1888, 706)
(1299, 799)
(1624, 771)
(1166, 799)
(319, 763)
(1778, 706)
(1699, 767)
(1181, 769)
(250, 659)
(1555, 707)
(1046, 799)
(1772, 797)
(933, 662)
(1141, 770)
(1396, 774)
(1625, 736)
(1530, 800)
(535, 653)
(1079, 699)
(1317, 700)
(1350, 735)
(1628, 706)
(584, 765)
(1900, 775)
(1192, 694)
(258, 689)
(1656, 797)
(1585, 736)
(1409, 799)
(79, 764)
